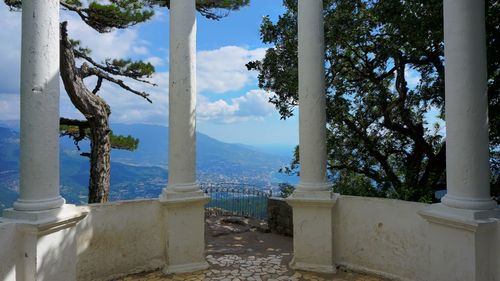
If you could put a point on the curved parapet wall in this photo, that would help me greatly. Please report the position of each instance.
(120, 238)
(381, 236)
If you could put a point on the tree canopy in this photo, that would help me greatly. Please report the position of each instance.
(104, 16)
(385, 91)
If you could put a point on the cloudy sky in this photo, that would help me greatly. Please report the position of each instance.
(231, 107)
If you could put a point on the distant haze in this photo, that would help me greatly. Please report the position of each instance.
(144, 172)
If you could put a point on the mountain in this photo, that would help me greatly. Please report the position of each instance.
(9, 166)
(143, 173)
(216, 160)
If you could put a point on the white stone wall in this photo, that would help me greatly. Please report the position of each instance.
(120, 238)
(381, 236)
(495, 254)
(8, 249)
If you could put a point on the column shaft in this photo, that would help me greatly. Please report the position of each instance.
(467, 145)
(312, 112)
(39, 186)
(182, 97)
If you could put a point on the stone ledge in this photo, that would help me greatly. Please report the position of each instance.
(322, 199)
(178, 199)
(468, 220)
(44, 222)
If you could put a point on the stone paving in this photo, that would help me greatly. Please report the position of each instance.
(250, 268)
(238, 251)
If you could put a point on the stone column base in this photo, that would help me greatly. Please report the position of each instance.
(461, 242)
(313, 231)
(184, 220)
(47, 248)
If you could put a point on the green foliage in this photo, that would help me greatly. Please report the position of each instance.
(378, 136)
(118, 14)
(122, 142)
(76, 44)
(493, 39)
(495, 179)
(211, 9)
(79, 133)
(129, 68)
(14, 5)
(103, 16)
(286, 189)
(349, 183)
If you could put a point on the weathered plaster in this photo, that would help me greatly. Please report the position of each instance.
(40, 249)
(381, 236)
(495, 254)
(120, 238)
(184, 219)
(313, 248)
(9, 245)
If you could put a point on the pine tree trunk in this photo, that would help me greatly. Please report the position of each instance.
(99, 160)
(97, 112)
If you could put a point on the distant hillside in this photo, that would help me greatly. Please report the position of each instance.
(212, 155)
(9, 166)
(143, 173)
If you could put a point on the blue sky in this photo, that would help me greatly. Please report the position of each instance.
(231, 107)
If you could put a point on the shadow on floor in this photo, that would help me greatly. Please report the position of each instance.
(239, 249)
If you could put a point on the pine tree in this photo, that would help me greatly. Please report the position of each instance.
(105, 17)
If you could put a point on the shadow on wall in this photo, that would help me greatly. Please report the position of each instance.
(55, 254)
(115, 239)
(9, 243)
(45, 250)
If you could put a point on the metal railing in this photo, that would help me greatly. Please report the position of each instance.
(238, 199)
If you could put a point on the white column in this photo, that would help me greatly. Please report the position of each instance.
(45, 226)
(183, 200)
(182, 98)
(467, 145)
(463, 227)
(312, 112)
(312, 202)
(39, 188)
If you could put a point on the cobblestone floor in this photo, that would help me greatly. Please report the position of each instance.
(245, 254)
(251, 268)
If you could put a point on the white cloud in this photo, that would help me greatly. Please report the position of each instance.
(161, 15)
(129, 108)
(9, 107)
(115, 44)
(223, 70)
(155, 61)
(253, 105)
(10, 50)
(219, 71)
(141, 50)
